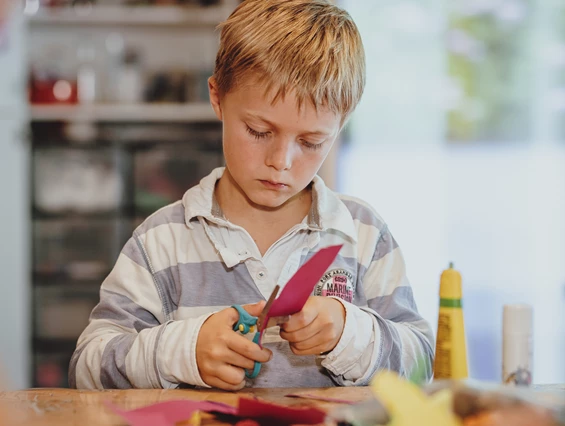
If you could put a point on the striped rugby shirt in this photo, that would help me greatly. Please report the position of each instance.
(186, 262)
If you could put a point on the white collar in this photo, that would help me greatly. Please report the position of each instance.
(327, 212)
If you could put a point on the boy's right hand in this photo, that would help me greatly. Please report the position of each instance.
(222, 354)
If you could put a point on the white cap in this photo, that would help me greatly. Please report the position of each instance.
(517, 319)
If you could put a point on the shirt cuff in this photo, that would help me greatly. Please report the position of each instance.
(176, 354)
(358, 334)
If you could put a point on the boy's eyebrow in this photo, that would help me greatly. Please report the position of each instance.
(309, 133)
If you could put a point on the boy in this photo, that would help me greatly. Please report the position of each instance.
(288, 74)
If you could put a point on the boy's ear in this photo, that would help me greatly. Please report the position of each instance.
(215, 97)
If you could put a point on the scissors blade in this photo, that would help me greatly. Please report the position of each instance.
(265, 312)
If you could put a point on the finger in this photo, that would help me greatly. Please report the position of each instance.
(314, 350)
(301, 335)
(316, 340)
(232, 316)
(300, 320)
(255, 309)
(218, 383)
(238, 360)
(230, 374)
(318, 350)
(248, 349)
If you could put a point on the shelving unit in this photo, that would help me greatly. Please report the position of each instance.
(171, 113)
(154, 150)
(192, 16)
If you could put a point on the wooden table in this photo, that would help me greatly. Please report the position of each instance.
(58, 407)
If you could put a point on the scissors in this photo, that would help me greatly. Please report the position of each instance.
(248, 323)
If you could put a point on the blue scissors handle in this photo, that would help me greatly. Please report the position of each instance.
(245, 324)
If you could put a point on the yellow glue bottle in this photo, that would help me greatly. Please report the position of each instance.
(451, 349)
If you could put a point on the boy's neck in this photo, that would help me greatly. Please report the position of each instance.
(240, 210)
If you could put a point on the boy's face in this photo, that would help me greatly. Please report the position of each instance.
(272, 151)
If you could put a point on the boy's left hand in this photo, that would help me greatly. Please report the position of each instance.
(317, 328)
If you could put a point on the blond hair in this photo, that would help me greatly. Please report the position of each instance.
(309, 46)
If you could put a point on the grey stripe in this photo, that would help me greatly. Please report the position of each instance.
(207, 284)
(113, 373)
(363, 214)
(427, 343)
(398, 306)
(216, 209)
(73, 365)
(121, 310)
(132, 251)
(391, 344)
(164, 301)
(173, 213)
(314, 213)
(390, 351)
(385, 245)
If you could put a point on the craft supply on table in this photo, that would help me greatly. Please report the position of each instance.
(517, 351)
(451, 349)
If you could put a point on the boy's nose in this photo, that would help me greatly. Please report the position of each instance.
(280, 155)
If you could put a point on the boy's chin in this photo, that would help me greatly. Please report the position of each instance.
(270, 203)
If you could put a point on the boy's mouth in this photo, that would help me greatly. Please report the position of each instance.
(273, 185)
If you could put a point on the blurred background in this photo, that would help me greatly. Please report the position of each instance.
(459, 143)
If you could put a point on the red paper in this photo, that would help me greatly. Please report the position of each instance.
(279, 414)
(299, 288)
(169, 413)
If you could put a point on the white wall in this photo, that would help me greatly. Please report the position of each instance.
(14, 213)
(497, 211)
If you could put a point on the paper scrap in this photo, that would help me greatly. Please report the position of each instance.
(279, 414)
(171, 412)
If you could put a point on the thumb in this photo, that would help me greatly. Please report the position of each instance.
(252, 309)
(255, 309)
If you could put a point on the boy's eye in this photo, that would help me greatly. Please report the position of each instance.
(256, 134)
(310, 145)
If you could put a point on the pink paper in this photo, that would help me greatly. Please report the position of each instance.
(279, 414)
(169, 413)
(299, 288)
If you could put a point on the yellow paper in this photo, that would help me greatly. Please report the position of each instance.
(408, 405)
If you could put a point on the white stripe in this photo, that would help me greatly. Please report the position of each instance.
(171, 244)
(135, 282)
(412, 350)
(368, 236)
(385, 275)
(140, 362)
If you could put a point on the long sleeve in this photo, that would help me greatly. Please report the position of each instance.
(384, 331)
(130, 342)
